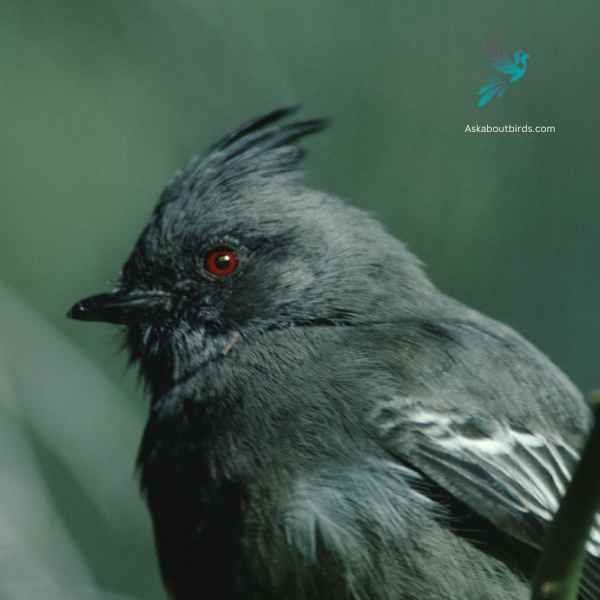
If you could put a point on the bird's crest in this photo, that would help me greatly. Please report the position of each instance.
(261, 145)
(259, 135)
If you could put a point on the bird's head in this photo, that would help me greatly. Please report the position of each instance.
(238, 245)
(521, 57)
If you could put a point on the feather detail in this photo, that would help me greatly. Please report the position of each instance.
(511, 476)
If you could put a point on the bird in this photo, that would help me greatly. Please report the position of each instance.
(510, 69)
(324, 422)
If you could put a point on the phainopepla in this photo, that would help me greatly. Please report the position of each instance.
(325, 423)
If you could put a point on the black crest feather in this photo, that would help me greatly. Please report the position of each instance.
(259, 135)
(260, 145)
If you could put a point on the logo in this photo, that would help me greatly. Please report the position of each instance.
(508, 70)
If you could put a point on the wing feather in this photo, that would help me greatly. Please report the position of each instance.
(513, 477)
(506, 66)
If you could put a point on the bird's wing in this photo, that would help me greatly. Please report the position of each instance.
(506, 66)
(512, 477)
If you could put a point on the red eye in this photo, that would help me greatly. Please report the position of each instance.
(221, 261)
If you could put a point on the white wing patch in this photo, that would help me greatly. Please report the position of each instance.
(524, 471)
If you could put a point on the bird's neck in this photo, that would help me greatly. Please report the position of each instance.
(167, 360)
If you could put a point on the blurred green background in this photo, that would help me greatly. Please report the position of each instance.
(102, 101)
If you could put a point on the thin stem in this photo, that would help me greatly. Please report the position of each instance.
(559, 570)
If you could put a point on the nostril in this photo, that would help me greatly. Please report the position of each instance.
(77, 311)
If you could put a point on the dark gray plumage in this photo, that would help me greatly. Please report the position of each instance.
(324, 422)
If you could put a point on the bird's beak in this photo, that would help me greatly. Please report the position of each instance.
(121, 307)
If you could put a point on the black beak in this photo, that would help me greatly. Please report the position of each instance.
(121, 307)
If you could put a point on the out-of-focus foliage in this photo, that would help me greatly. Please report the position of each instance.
(70, 517)
(102, 101)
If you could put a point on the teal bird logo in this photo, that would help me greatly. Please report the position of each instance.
(509, 70)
